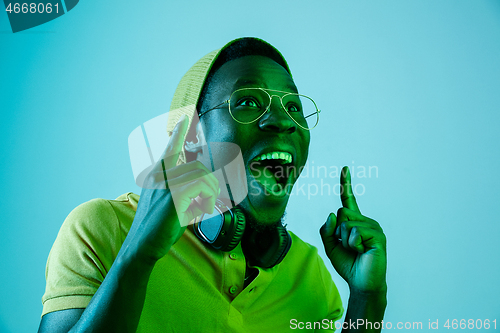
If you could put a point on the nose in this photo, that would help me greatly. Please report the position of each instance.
(276, 119)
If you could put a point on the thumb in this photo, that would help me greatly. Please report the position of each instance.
(327, 231)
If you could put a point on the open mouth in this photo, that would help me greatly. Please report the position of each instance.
(273, 170)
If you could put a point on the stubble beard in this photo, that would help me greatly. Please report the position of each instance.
(264, 227)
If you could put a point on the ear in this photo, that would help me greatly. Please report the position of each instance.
(195, 141)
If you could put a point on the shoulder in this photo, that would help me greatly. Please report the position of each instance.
(89, 217)
(306, 259)
(98, 214)
(302, 248)
(85, 248)
(98, 226)
(102, 207)
(99, 221)
(90, 209)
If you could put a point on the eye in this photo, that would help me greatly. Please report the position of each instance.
(248, 102)
(293, 107)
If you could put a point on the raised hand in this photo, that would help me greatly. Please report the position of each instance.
(172, 196)
(355, 244)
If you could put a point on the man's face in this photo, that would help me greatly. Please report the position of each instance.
(275, 132)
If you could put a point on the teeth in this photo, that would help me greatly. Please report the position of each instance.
(276, 155)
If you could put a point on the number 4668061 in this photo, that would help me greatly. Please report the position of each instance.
(471, 324)
(32, 8)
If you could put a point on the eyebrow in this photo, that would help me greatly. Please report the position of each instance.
(243, 81)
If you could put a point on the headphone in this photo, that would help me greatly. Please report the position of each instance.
(225, 228)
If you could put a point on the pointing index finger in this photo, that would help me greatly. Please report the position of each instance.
(346, 194)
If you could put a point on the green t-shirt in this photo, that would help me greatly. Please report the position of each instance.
(194, 288)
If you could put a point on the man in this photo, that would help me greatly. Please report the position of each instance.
(131, 264)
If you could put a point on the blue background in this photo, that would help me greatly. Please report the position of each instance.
(411, 87)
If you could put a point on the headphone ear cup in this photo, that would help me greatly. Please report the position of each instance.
(266, 249)
(283, 245)
(223, 229)
(239, 223)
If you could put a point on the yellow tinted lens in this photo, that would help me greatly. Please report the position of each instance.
(302, 109)
(248, 104)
